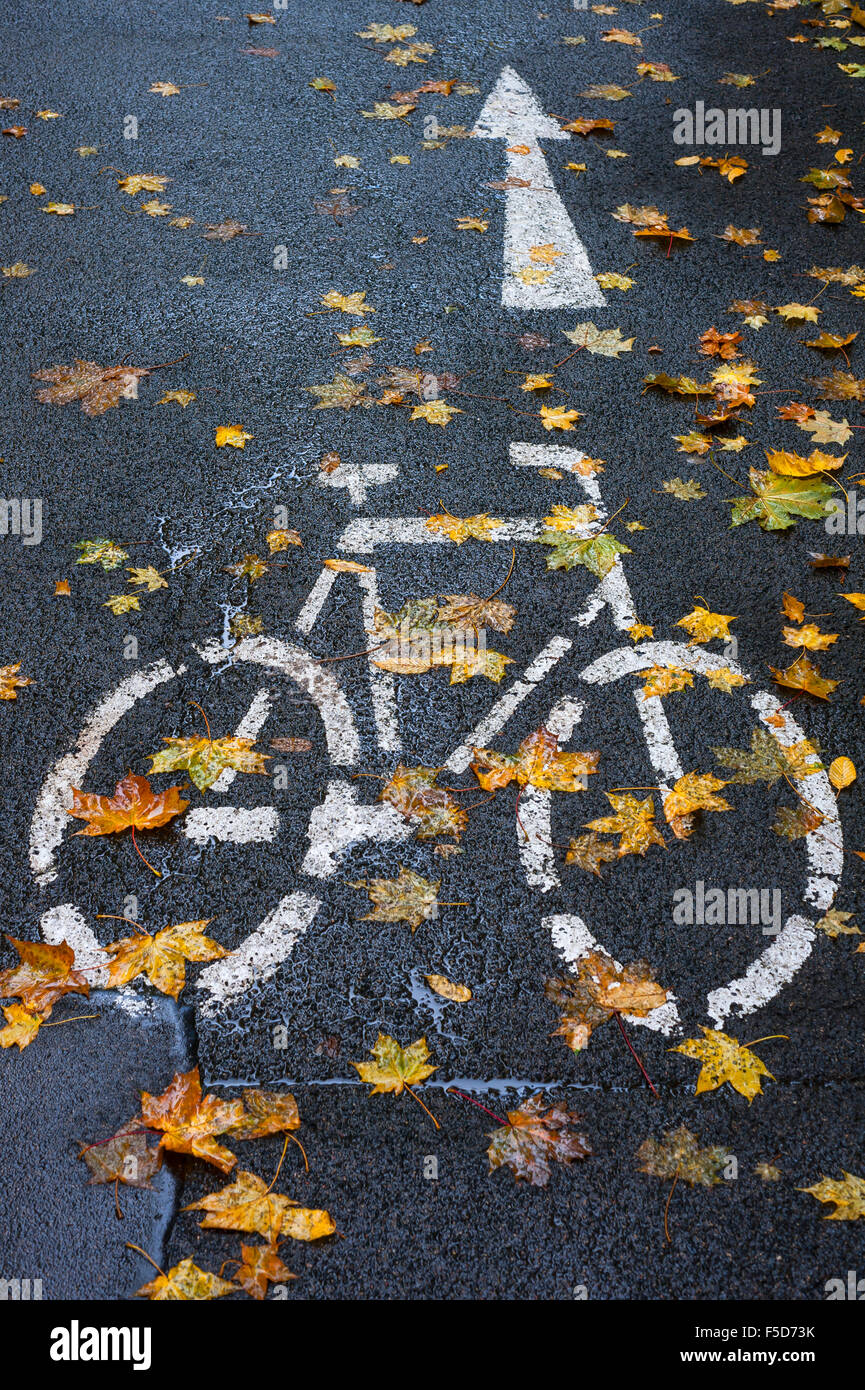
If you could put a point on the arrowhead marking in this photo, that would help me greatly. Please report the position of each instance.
(512, 112)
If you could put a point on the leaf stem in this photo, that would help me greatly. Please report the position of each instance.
(422, 1106)
(618, 1019)
(452, 1091)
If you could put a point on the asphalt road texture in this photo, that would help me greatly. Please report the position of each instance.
(248, 139)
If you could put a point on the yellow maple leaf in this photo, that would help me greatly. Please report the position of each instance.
(803, 675)
(182, 398)
(724, 679)
(353, 303)
(143, 183)
(555, 417)
(665, 680)
(704, 625)
(435, 412)
(235, 435)
(634, 822)
(395, 1068)
(458, 529)
(724, 1059)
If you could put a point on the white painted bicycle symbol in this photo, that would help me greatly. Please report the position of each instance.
(343, 820)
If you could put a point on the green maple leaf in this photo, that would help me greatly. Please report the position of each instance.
(204, 759)
(597, 553)
(100, 552)
(769, 760)
(678, 1154)
(777, 501)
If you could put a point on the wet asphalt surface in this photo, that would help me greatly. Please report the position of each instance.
(256, 143)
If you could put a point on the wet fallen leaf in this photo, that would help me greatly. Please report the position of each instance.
(161, 957)
(847, 1193)
(395, 1067)
(803, 675)
(633, 822)
(43, 975)
(536, 763)
(407, 898)
(768, 760)
(11, 682)
(188, 1120)
(679, 1155)
(248, 1204)
(134, 805)
(599, 989)
(441, 985)
(704, 625)
(842, 772)
(721, 1059)
(97, 388)
(126, 1157)
(260, 1266)
(186, 1282)
(205, 758)
(534, 1138)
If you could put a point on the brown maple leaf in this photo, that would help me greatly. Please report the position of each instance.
(600, 989)
(535, 1138)
(97, 388)
(226, 230)
(723, 345)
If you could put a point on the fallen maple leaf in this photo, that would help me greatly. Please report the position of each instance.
(189, 1120)
(226, 230)
(777, 500)
(536, 763)
(395, 1068)
(11, 682)
(161, 957)
(413, 792)
(21, 1026)
(97, 388)
(134, 805)
(847, 1193)
(406, 898)
(126, 1157)
(704, 625)
(235, 435)
(459, 529)
(634, 822)
(679, 1155)
(248, 1204)
(803, 675)
(446, 989)
(600, 989)
(186, 1282)
(260, 1266)
(606, 342)
(768, 759)
(590, 852)
(723, 1059)
(534, 1138)
(665, 680)
(205, 758)
(44, 973)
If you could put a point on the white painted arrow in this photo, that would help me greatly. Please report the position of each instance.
(534, 215)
